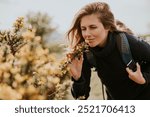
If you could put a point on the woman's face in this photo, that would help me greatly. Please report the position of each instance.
(93, 31)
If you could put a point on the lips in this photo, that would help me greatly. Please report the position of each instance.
(89, 40)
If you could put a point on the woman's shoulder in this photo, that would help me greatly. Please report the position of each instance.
(130, 37)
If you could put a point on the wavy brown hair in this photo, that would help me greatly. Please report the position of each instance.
(105, 16)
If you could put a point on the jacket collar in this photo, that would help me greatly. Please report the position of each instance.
(105, 51)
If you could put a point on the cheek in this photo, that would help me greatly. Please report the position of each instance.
(102, 33)
(97, 33)
(83, 34)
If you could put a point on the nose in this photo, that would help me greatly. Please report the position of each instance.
(87, 34)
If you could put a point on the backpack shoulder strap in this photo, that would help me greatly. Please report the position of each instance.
(125, 52)
(91, 58)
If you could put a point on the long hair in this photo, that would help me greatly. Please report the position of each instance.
(105, 16)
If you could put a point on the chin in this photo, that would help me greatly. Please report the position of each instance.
(92, 45)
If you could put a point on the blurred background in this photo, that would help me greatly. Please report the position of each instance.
(134, 14)
(50, 20)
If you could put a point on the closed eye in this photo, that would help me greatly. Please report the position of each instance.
(83, 28)
(93, 27)
(90, 27)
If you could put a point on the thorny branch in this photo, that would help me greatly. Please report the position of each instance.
(13, 38)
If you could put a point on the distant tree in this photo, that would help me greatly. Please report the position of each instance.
(41, 23)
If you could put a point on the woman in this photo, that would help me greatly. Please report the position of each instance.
(95, 24)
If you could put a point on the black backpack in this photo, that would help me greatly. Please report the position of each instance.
(124, 49)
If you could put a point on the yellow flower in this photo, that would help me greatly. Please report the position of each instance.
(7, 93)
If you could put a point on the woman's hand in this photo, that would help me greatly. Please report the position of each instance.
(76, 67)
(136, 76)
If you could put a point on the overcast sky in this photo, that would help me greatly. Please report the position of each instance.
(134, 13)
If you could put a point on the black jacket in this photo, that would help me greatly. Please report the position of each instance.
(111, 70)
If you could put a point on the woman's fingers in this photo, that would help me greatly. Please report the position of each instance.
(130, 72)
(137, 75)
(75, 67)
(81, 59)
(138, 67)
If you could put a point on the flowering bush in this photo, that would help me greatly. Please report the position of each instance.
(27, 69)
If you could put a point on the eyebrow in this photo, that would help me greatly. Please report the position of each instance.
(89, 25)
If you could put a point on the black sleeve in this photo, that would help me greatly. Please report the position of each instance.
(141, 53)
(139, 48)
(145, 67)
(82, 86)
